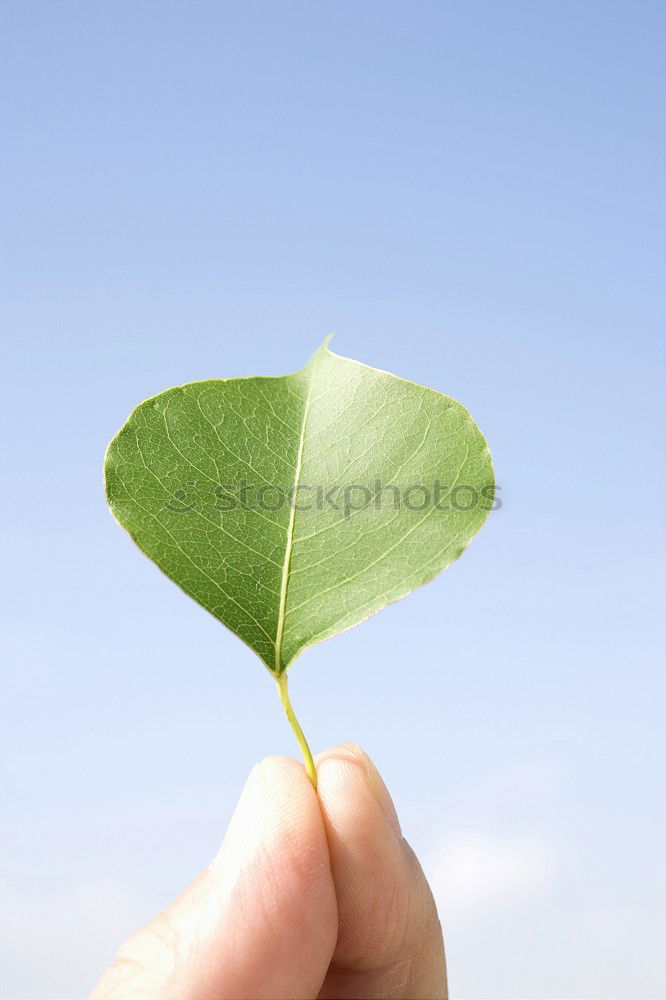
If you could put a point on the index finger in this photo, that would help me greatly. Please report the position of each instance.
(389, 936)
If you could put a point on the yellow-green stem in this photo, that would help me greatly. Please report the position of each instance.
(298, 732)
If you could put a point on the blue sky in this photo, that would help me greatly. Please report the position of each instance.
(468, 195)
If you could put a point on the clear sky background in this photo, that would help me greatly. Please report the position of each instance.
(467, 194)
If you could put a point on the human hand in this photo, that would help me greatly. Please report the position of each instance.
(312, 894)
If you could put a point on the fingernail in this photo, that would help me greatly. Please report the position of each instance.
(372, 779)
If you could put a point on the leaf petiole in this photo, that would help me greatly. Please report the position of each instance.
(283, 691)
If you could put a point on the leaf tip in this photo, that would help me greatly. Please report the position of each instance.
(321, 350)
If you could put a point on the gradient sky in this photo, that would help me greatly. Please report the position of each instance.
(469, 195)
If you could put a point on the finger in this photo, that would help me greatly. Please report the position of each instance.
(389, 937)
(259, 922)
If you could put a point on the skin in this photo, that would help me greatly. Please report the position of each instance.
(312, 894)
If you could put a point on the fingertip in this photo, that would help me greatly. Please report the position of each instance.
(346, 751)
(277, 804)
(279, 773)
(348, 778)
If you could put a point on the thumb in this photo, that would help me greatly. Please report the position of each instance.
(259, 922)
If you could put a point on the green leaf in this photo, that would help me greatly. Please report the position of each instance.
(202, 477)
(293, 508)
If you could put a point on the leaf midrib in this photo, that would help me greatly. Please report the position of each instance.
(284, 582)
